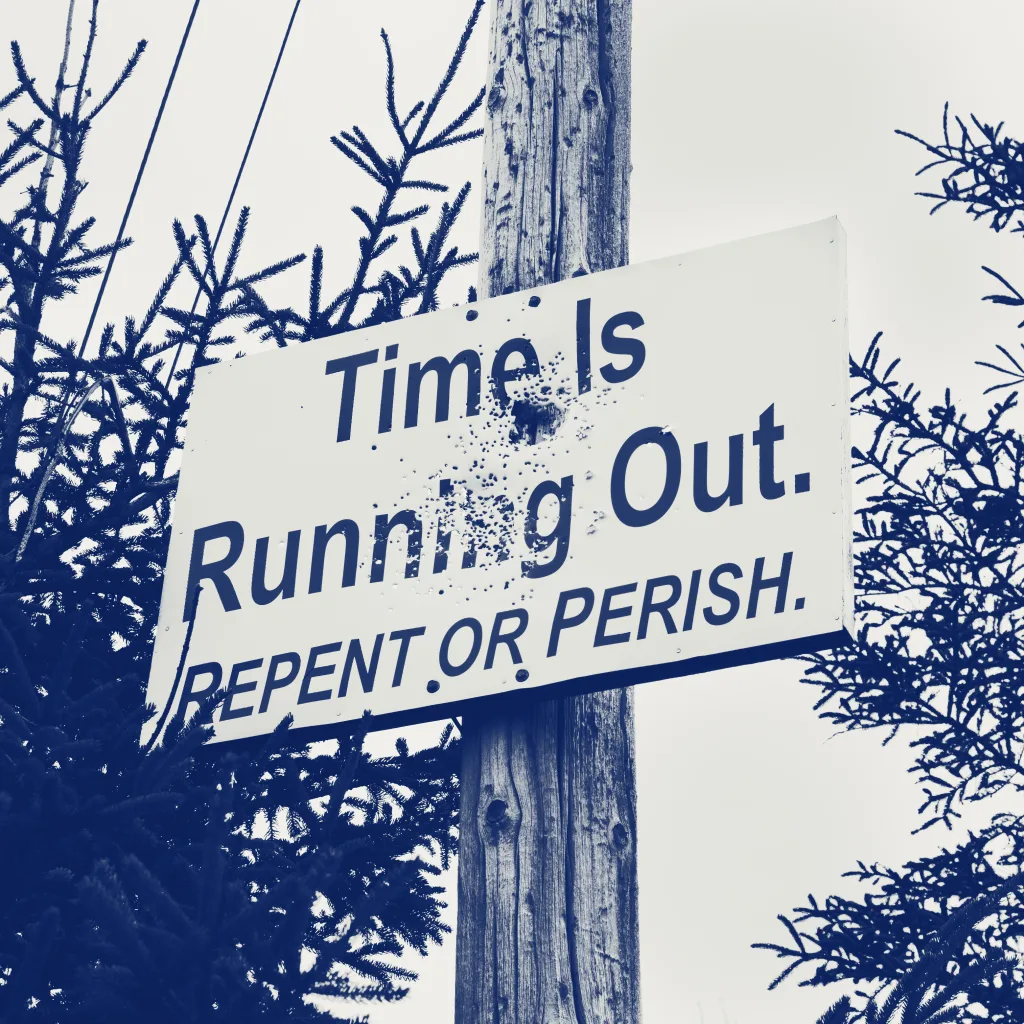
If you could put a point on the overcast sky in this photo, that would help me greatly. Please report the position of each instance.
(748, 116)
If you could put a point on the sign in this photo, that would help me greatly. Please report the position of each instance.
(627, 476)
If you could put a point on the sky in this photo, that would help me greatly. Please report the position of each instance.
(748, 116)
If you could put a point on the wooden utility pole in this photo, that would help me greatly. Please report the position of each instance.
(547, 916)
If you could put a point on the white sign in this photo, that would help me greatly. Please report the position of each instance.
(628, 476)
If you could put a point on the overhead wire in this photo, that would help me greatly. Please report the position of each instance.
(61, 426)
(131, 202)
(238, 178)
(138, 180)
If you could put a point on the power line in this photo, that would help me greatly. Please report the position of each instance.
(138, 180)
(66, 398)
(238, 178)
(134, 192)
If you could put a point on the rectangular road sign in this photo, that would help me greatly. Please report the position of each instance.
(627, 476)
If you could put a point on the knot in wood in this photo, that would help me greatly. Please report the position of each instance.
(620, 836)
(496, 810)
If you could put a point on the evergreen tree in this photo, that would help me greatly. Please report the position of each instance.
(180, 882)
(939, 657)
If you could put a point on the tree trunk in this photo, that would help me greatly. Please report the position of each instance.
(547, 914)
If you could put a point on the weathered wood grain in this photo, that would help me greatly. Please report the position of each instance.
(547, 916)
(556, 142)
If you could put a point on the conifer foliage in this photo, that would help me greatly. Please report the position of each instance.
(181, 883)
(939, 658)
